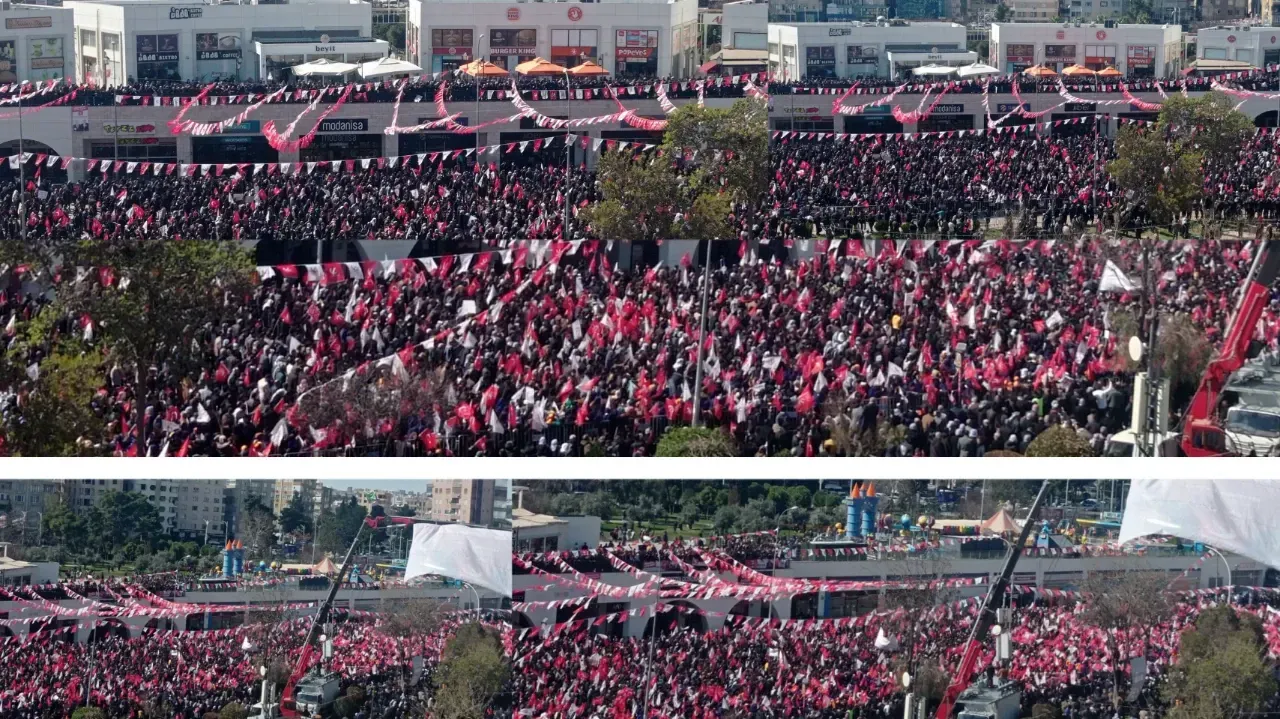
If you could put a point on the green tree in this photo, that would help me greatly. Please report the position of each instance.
(258, 527)
(1059, 442)
(55, 415)
(710, 159)
(1002, 13)
(233, 710)
(1123, 604)
(295, 516)
(1137, 11)
(393, 33)
(1182, 351)
(696, 442)
(88, 713)
(1222, 668)
(825, 517)
(598, 504)
(123, 521)
(726, 518)
(64, 526)
(800, 496)
(689, 515)
(163, 291)
(566, 504)
(472, 671)
(1162, 170)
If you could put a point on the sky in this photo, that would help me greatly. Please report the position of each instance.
(391, 485)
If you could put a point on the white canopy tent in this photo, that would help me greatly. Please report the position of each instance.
(977, 69)
(387, 67)
(323, 67)
(933, 70)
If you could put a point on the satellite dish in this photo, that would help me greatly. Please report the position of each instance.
(906, 680)
(996, 630)
(1135, 349)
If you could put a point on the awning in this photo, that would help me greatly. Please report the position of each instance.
(708, 66)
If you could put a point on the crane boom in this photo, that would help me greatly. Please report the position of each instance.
(1202, 434)
(987, 614)
(288, 706)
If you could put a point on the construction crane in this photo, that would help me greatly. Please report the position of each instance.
(310, 693)
(987, 614)
(1203, 433)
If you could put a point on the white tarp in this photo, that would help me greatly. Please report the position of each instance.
(1233, 515)
(479, 556)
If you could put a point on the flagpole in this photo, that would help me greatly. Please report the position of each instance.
(568, 154)
(22, 174)
(702, 338)
(648, 662)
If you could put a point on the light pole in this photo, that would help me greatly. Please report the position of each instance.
(470, 586)
(1218, 553)
(702, 337)
(568, 154)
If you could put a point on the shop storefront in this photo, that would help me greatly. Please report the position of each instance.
(343, 139)
(1059, 57)
(1019, 57)
(8, 61)
(1097, 57)
(142, 149)
(508, 48)
(218, 55)
(1082, 111)
(946, 117)
(574, 47)
(412, 143)
(233, 147)
(875, 120)
(157, 57)
(1001, 109)
(820, 60)
(1141, 60)
(636, 52)
(863, 60)
(451, 48)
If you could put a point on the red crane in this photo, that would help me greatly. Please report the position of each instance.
(288, 700)
(1202, 432)
(987, 614)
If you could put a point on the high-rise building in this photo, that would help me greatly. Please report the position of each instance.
(468, 501)
(502, 504)
(241, 493)
(314, 495)
(190, 508)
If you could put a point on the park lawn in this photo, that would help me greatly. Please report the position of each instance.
(703, 527)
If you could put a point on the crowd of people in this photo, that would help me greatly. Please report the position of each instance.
(948, 348)
(1042, 187)
(1261, 81)
(829, 670)
(454, 200)
(189, 674)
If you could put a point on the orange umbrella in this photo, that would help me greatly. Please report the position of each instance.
(1109, 71)
(482, 68)
(1077, 70)
(539, 66)
(588, 68)
(1039, 71)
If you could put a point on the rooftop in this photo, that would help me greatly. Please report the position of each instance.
(522, 518)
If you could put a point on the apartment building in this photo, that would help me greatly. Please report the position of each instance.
(468, 501)
(188, 508)
(315, 496)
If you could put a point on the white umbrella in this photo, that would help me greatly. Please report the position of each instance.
(933, 70)
(323, 66)
(388, 66)
(977, 68)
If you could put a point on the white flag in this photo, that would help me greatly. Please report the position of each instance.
(1113, 279)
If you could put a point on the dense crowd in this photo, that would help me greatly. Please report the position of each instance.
(927, 349)
(956, 186)
(819, 84)
(829, 670)
(185, 675)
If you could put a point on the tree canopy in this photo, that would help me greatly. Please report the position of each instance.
(471, 673)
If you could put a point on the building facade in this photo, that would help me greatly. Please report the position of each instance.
(1034, 10)
(35, 43)
(1135, 50)
(1256, 45)
(636, 37)
(883, 49)
(466, 501)
(121, 40)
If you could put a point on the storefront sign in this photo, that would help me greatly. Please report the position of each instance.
(217, 46)
(248, 126)
(27, 23)
(573, 51)
(157, 48)
(801, 110)
(862, 55)
(8, 61)
(186, 13)
(128, 129)
(1020, 53)
(638, 53)
(1141, 56)
(956, 109)
(513, 14)
(513, 42)
(821, 56)
(635, 44)
(1080, 107)
(325, 48)
(1064, 53)
(575, 14)
(345, 125)
(1007, 107)
(839, 31)
(46, 58)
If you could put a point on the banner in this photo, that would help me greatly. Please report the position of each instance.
(479, 556)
